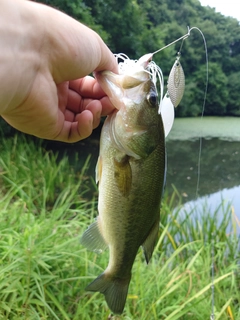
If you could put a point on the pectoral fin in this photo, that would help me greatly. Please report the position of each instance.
(149, 243)
(123, 175)
(92, 238)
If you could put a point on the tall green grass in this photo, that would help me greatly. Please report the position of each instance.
(44, 269)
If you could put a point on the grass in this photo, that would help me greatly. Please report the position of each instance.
(44, 209)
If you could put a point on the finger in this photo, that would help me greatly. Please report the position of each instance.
(107, 106)
(78, 130)
(76, 103)
(87, 87)
(95, 107)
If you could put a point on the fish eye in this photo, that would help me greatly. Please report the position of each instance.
(152, 99)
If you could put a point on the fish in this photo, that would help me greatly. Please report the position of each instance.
(130, 172)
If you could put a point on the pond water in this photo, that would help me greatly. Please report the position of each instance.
(219, 166)
(218, 179)
(213, 180)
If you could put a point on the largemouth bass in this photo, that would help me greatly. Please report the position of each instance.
(131, 174)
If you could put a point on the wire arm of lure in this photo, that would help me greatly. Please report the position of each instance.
(168, 45)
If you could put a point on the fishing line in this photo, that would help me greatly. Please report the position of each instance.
(184, 37)
(203, 109)
(212, 316)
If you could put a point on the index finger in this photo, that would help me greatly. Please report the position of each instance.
(87, 87)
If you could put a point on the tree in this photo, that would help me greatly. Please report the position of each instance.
(233, 88)
(137, 27)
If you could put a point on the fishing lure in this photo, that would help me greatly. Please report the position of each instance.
(176, 86)
(176, 79)
(175, 91)
(176, 82)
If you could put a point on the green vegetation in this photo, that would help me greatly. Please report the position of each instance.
(143, 26)
(44, 208)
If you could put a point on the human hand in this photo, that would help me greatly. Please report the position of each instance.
(46, 60)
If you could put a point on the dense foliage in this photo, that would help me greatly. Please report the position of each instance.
(136, 27)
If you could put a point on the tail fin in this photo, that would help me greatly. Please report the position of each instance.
(114, 289)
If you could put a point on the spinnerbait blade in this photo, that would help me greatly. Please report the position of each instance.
(176, 83)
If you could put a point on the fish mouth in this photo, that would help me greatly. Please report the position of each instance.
(110, 83)
(117, 86)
